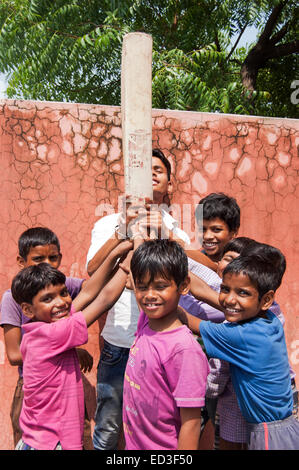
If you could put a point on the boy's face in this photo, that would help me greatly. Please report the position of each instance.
(160, 297)
(225, 260)
(41, 254)
(215, 236)
(50, 304)
(161, 185)
(240, 298)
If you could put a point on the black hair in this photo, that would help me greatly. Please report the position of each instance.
(239, 244)
(29, 281)
(222, 206)
(36, 236)
(260, 271)
(160, 257)
(272, 255)
(159, 154)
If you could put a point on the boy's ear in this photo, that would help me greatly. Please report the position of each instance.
(234, 233)
(27, 309)
(21, 262)
(185, 286)
(267, 300)
(170, 188)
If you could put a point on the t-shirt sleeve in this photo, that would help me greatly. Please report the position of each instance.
(102, 230)
(68, 333)
(73, 285)
(187, 372)
(223, 341)
(11, 313)
(199, 309)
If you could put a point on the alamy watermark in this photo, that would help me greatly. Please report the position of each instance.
(295, 93)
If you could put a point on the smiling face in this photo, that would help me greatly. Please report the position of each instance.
(159, 298)
(49, 305)
(41, 254)
(240, 298)
(215, 236)
(161, 184)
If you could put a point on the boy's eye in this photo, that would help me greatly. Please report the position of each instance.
(64, 292)
(244, 292)
(140, 287)
(46, 299)
(161, 286)
(53, 258)
(224, 289)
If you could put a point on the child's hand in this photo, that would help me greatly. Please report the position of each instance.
(85, 360)
(132, 209)
(122, 249)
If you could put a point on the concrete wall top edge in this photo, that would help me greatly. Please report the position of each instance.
(196, 115)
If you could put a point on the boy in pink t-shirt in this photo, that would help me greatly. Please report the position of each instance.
(166, 374)
(52, 415)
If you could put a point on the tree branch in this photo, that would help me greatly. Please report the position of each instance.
(266, 49)
(282, 50)
(279, 35)
(237, 41)
(272, 20)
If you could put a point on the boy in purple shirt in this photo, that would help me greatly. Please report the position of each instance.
(52, 415)
(166, 374)
(35, 245)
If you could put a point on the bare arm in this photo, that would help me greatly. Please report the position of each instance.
(201, 258)
(189, 320)
(12, 338)
(130, 212)
(202, 291)
(109, 294)
(102, 254)
(97, 281)
(190, 429)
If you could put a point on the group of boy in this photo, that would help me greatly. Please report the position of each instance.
(153, 378)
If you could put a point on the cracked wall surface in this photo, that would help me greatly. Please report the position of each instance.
(61, 162)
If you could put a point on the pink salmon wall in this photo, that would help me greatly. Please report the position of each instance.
(61, 162)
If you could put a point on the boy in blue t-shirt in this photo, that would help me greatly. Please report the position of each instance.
(252, 341)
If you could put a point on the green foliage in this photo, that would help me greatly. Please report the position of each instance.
(70, 50)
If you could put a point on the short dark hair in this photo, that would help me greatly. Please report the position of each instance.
(36, 236)
(273, 256)
(159, 154)
(239, 244)
(260, 271)
(29, 281)
(222, 206)
(160, 256)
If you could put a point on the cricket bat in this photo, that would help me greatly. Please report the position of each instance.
(136, 114)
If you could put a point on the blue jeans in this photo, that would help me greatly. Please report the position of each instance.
(110, 379)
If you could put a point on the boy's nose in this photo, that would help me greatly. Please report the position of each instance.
(230, 299)
(150, 294)
(60, 301)
(208, 235)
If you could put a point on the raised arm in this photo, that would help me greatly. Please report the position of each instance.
(100, 277)
(117, 228)
(103, 252)
(201, 258)
(109, 294)
(202, 291)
